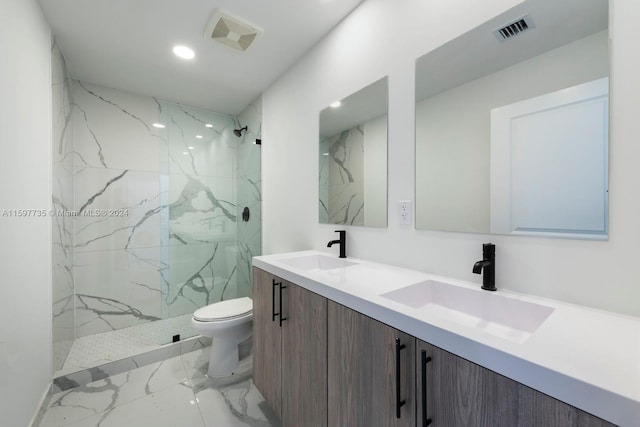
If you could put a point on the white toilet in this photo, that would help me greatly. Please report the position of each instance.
(229, 324)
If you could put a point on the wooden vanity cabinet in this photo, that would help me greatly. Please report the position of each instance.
(461, 393)
(362, 370)
(319, 363)
(267, 341)
(290, 350)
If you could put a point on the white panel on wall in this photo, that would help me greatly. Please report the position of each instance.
(549, 163)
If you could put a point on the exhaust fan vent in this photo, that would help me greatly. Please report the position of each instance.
(514, 28)
(231, 31)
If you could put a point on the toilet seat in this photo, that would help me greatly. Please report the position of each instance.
(225, 310)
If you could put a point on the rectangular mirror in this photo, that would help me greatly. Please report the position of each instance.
(512, 125)
(353, 158)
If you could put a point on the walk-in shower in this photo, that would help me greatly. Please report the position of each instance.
(149, 218)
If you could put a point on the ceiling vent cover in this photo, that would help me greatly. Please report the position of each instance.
(514, 28)
(231, 31)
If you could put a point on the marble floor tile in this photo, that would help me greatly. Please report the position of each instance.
(196, 364)
(111, 392)
(173, 407)
(234, 405)
(175, 392)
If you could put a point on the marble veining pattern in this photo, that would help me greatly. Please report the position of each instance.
(342, 178)
(142, 356)
(153, 229)
(166, 253)
(62, 195)
(323, 205)
(172, 392)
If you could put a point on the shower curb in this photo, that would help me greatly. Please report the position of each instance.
(85, 376)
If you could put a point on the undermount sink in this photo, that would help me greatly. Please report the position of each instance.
(501, 316)
(316, 262)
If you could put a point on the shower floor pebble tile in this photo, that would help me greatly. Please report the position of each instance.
(97, 349)
(174, 392)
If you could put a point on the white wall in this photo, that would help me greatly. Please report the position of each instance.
(384, 38)
(25, 183)
(375, 172)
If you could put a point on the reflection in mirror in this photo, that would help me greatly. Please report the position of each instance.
(353, 158)
(512, 133)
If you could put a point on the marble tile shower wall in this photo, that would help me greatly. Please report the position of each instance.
(62, 194)
(343, 179)
(323, 205)
(156, 224)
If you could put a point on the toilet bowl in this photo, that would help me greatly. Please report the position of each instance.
(228, 323)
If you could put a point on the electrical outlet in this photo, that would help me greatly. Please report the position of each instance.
(404, 208)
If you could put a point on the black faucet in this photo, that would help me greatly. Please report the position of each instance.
(488, 263)
(342, 242)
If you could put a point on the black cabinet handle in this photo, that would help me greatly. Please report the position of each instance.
(273, 299)
(425, 359)
(282, 319)
(399, 402)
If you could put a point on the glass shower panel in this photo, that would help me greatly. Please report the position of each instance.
(198, 222)
(249, 197)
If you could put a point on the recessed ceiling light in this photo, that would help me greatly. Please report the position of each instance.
(184, 52)
(185, 153)
(199, 136)
(208, 125)
(159, 125)
(335, 104)
(190, 147)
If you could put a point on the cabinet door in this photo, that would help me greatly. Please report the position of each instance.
(538, 409)
(304, 358)
(461, 393)
(267, 340)
(362, 371)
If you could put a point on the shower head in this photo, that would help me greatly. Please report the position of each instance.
(238, 132)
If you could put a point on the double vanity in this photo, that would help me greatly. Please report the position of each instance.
(346, 342)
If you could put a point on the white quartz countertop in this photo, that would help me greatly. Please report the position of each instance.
(582, 356)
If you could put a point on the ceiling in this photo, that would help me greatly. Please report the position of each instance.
(126, 44)
(358, 108)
